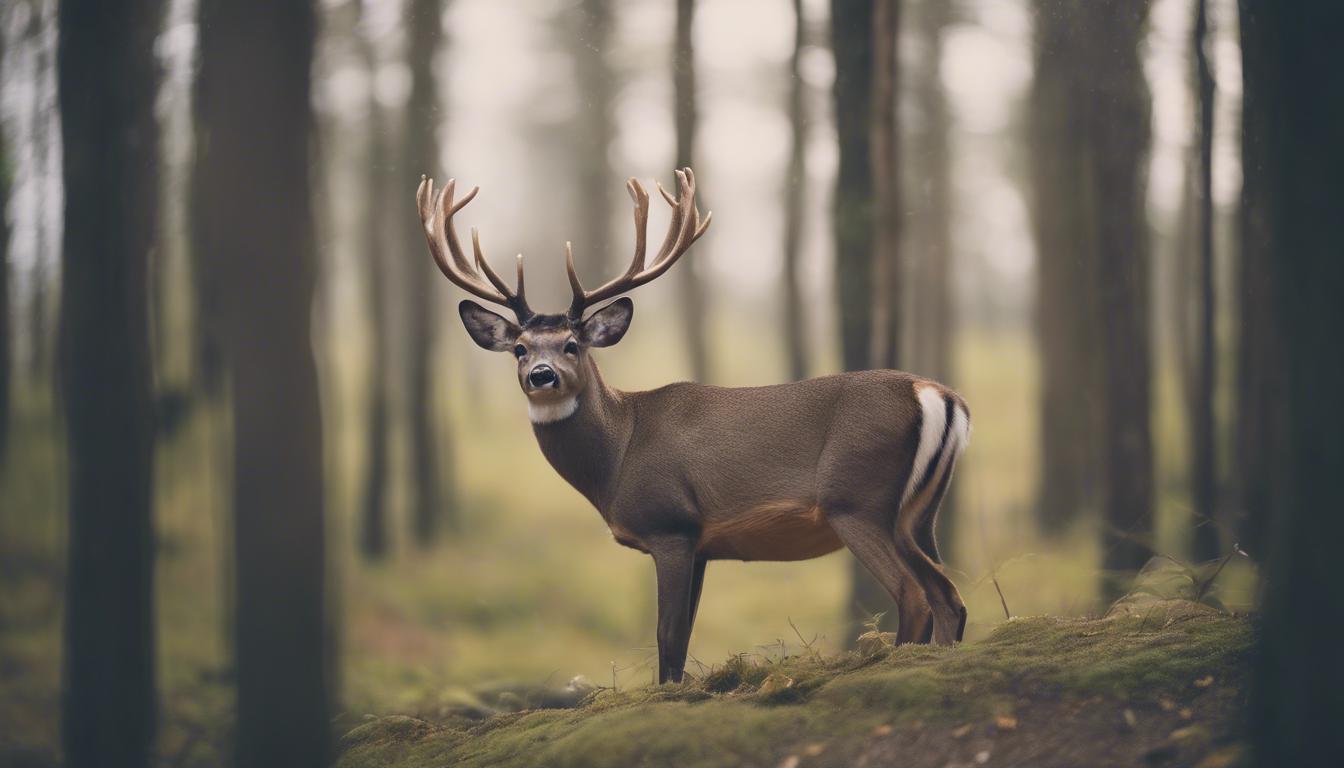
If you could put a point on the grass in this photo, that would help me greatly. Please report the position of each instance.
(1184, 661)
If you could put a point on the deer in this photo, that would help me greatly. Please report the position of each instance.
(689, 473)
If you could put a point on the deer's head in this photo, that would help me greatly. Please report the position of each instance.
(552, 349)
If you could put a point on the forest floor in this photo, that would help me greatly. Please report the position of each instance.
(1155, 682)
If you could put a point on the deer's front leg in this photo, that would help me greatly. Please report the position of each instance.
(674, 560)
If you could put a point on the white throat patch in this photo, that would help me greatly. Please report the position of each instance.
(546, 413)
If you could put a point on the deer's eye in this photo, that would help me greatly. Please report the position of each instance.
(519, 351)
(571, 348)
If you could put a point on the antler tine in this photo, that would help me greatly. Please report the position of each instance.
(683, 230)
(436, 214)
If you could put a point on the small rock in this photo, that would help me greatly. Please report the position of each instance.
(982, 757)
(961, 731)
(789, 762)
(814, 749)
(1130, 719)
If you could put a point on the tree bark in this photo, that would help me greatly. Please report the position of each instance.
(795, 189)
(593, 253)
(1259, 433)
(261, 234)
(853, 35)
(693, 305)
(107, 84)
(6, 350)
(1206, 544)
(885, 351)
(1067, 320)
(435, 500)
(373, 527)
(1294, 166)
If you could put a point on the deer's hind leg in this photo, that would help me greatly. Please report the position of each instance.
(869, 537)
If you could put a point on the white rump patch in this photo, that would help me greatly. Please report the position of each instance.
(546, 413)
(930, 435)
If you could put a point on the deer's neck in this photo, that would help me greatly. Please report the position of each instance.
(586, 447)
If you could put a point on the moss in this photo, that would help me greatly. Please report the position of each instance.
(756, 712)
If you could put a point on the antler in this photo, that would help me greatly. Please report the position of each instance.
(684, 230)
(436, 213)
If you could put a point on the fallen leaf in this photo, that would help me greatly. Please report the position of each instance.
(960, 732)
(1166, 704)
(1187, 713)
(789, 762)
(882, 730)
(812, 750)
(1130, 719)
(775, 682)
(1006, 722)
(1204, 682)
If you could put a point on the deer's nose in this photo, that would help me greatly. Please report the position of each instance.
(541, 376)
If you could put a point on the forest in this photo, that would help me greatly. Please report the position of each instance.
(263, 502)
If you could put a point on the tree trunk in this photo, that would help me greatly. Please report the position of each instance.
(260, 232)
(795, 189)
(883, 137)
(107, 80)
(39, 312)
(693, 304)
(794, 199)
(593, 254)
(1066, 284)
(435, 501)
(209, 366)
(1117, 120)
(6, 353)
(852, 39)
(373, 528)
(1295, 166)
(1206, 544)
(1259, 432)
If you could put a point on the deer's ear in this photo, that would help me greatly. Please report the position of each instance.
(486, 328)
(607, 325)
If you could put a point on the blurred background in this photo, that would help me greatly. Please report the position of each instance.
(1034, 202)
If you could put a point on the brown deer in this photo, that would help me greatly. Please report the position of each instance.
(689, 473)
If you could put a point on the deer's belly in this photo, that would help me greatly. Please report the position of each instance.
(783, 531)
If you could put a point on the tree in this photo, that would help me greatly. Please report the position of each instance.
(854, 31)
(1066, 284)
(6, 355)
(1293, 165)
(595, 131)
(435, 504)
(373, 526)
(683, 85)
(259, 231)
(885, 149)
(1201, 378)
(795, 187)
(107, 83)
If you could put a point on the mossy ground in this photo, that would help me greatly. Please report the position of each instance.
(1161, 686)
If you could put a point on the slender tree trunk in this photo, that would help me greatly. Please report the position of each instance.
(1203, 473)
(693, 305)
(597, 130)
(260, 232)
(39, 317)
(1296, 166)
(6, 353)
(852, 41)
(1260, 388)
(1114, 163)
(107, 81)
(373, 527)
(883, 138)
(1066, 284)
(435, 502)
(209, 366)
(795, 188)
